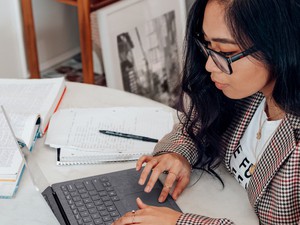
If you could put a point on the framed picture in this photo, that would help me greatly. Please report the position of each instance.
(141, 43)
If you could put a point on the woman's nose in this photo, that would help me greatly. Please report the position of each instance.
(211, 66)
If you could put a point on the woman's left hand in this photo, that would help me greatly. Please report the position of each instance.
(150, 215)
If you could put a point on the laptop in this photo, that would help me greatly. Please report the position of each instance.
(93, 200)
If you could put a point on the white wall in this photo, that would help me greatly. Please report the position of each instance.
(56, 27)
(12, 55)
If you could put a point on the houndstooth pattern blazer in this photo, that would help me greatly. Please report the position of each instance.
(274, 188)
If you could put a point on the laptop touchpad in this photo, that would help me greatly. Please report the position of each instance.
(129, 201)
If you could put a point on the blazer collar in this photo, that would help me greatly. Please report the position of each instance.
(280, 147)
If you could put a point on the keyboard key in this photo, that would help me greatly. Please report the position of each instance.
(98, 185)
(84, 214)
(103, 213)
(115, 198)
(77, 217)
(76, 199)
(71, 188)
(82, 208)
(108, 189)
(63, 188)
(111, 208)
(98, 202)
(115, 218)
(93, 193)
(106, 184)
(87, 200)
(82, 190)
(103, 179)
(106, 218)
(98, 221)
(108, 203)
(114, 214)
(68, 197)
(95, 216)
(90, 223)
(90, 205)
(105, 198)
(74, 193)
(103, 193)
(79, 204)
(101, 208)
(87, 219)
(85, 195)
(96, 197)
(80, 222)
(79, 185)
(112, 193)
(92, 210)
(88, 185)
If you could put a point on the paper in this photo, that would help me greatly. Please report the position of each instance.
(10, 157)
(79, 129)
(34, 96)
(12, 163)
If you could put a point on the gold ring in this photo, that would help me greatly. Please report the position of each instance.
(133, 211)
(166, 186)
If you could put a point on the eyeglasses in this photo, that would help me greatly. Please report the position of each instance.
(221, 61)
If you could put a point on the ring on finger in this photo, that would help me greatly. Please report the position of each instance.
(133, 217)
(167, 186)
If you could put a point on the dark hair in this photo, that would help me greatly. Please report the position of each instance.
(272, 26)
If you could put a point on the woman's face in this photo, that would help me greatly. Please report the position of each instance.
(249, 75)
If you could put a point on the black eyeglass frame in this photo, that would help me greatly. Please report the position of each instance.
(208, 52)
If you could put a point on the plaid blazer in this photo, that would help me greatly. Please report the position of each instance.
(274, 188)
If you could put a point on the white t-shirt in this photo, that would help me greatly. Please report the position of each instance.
(250, 149)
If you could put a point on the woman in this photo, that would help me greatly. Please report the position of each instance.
(242, 76)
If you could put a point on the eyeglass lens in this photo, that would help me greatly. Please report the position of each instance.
(219, 60)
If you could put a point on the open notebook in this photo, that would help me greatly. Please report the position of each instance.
(75, 133)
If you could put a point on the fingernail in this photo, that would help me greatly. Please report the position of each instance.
(160, 199)
(147, 189)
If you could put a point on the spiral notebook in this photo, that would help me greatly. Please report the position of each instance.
(75, 133)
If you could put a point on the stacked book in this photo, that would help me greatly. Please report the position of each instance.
(29, 104)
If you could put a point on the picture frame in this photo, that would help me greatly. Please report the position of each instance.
(141, 43)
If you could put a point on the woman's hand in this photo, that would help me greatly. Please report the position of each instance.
(176, 165)
(149, 215)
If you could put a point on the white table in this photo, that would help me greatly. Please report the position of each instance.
(206, 197)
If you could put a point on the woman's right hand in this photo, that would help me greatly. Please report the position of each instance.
(176, 165)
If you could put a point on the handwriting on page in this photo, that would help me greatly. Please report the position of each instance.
(81, 128)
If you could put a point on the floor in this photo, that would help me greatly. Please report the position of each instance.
(72, 70)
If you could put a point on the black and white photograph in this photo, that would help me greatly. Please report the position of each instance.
(149, 59)
(142, 54)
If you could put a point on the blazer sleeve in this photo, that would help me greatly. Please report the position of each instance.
(179, 142)
(193, 219)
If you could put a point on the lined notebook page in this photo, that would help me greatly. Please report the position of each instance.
(79, 129)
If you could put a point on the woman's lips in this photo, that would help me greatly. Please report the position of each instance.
(220, 85)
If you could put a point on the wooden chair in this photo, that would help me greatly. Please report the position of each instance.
(84, 7)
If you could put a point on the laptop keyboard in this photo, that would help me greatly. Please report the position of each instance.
(92, 201)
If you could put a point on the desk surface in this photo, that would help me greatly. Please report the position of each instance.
(29, 207)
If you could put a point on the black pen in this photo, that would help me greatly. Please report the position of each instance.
(130, 136)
